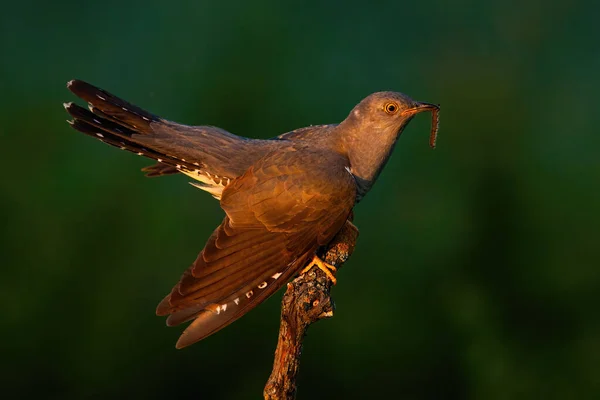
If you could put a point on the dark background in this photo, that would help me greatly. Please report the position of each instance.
(476, 273)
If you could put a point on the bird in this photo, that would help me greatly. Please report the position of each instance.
(284, 198)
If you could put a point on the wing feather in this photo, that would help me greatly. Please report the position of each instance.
(279, 212)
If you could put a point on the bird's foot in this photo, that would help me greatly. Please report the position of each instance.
(323, 266)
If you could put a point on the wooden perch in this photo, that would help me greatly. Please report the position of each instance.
(306, 300)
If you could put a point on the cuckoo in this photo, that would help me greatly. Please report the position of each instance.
(284, 198)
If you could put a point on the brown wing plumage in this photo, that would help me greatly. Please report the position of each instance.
(278, 214)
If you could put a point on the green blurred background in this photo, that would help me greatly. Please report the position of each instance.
(476, 273)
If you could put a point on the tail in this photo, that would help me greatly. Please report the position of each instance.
(208, 154)
(119, 123)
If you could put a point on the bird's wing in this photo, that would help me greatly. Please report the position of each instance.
(201, 152)
(278, 213)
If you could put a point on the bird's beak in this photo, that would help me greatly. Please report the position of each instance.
(435, 121)
(420, 107)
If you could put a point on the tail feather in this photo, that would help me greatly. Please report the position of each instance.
(98, 121)
(113, 108)
(119, 136)
(159, 170)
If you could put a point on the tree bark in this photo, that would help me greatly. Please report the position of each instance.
(306, 300)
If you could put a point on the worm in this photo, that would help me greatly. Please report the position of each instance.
(435, 124)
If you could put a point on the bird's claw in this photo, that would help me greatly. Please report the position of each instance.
(328, 269)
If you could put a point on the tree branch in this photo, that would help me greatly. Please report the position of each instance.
(306, 300)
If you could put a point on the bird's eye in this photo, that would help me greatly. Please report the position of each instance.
(391, 108)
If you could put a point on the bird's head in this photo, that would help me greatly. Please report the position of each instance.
(385, 114)
(372, 128)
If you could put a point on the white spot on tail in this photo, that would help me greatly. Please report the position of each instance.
(224, 307)
(262, 285)
(236, 301)
(99, 135)
(276, 276)
(144, 118)
(140, 154)
(100, 97)
(159, 159)
(196, 164)
(124, 109)
(178, 166)
(249, 294)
